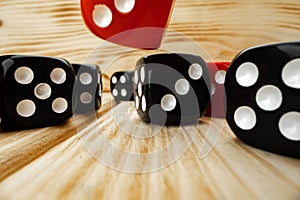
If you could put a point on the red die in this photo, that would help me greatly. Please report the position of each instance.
(217, 76)
(133, 23)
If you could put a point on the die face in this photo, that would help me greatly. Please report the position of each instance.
(171, 89)
(137, 24)
(87, 88)
(121, 86)
(262, 90)
(35, 91)
(217, 72)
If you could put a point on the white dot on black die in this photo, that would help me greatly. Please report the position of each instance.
(182, 86)
(99, 78)
(26, 108)
(195, 71)
(291, 74)
(144, 104)
(136, 77)
(137, 102)
(123, 92)
(115, 92)
(247, 74)
(102, 16)
(143, 74)
(123, 79)
(220, 77)
(85, 78)
(124, 6)
(289, 126)
(42, 91)
(100, 90)
(269, 98)
(59, 105)
(58, 76)
(245, 118)
(140, 89)
(86, 98)
(114, 80)
(168, 102)
(24, 75)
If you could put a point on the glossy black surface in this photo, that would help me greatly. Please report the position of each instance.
(162, 71)
(92, 87)
(120, 87)
(270, 60)
(12, 92)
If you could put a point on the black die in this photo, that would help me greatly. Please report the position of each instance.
(263, 97)
(121, 86)
(87, 88)
(35, 91)
(171, 89)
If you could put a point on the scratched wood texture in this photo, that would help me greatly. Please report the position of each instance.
(72, 161)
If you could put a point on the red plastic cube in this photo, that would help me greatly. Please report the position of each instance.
(132, 23)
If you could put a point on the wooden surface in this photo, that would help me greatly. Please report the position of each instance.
(60, 162)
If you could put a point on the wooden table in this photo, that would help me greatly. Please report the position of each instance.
(60, 162)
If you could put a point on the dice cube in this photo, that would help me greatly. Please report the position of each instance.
(171, 89)
(263, 97)
(35, 91)
(121, 86)
(137, 24)
(87, 88)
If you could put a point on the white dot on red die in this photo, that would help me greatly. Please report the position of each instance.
(245, 118)
(58, 76)
(24, 75)
(124, 6)
(182, 86)
(26, 108)
(59, 105)
(213, 89)
(291, 74)
(102, 15)
(289, 126)
(168, 102)
(220, 77)
(195, 71)
(269, 98)
(247, 74)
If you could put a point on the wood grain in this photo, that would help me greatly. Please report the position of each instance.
(60, 162)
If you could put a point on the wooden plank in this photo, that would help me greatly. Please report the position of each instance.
(60, 162)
